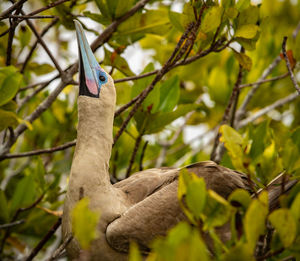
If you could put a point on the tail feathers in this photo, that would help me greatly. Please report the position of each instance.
(280, 185)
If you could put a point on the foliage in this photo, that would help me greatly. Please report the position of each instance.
(208, 87)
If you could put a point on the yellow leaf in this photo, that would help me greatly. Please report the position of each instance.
(244, 60)
(84, 223)
(247, 31)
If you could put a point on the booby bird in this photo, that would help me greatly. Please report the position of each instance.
(139, 208)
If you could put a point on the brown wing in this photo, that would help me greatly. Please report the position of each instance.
(160, 210)
(144, 183)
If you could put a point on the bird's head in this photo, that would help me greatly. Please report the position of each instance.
(92, 78)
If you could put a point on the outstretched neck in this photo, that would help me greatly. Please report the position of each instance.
(94, 142)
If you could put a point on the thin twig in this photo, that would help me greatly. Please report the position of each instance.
(168, 144)
(264, 81)
(242, 109)
(18, 212)
(61, 248)
(11, 9)
(132, 78)
(48, 7)
(44, 240)
(46, 29)
(267, 109)
(217, 151)
(142, 155)
(23, 17)
(40, 151)
(296, 31)
(41, 41)
(12, 224)
(288, 65)
(136, 146)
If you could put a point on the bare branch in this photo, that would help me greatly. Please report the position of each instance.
(267, 109)
(46, 29)
(61, 248)
(288, 65)
(136, 146)
(168, 144)
(264, 81)
(23, 17)
(40, 151)
(242, 109)
(8, 11)
(142, 155)
(12, 224)
(296, 31)
(217, 151)
(41, 41)
(132, 78)
(48, 7)
(44, 240)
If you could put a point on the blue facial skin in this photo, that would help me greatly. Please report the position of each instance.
(92, 77)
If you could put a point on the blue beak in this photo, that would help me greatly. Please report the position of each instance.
(89, 68)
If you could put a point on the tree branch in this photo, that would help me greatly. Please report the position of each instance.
(40, 151)
(288, 65)
(8, 11)
(217, 151)
(267, 109)
(136, 146)
(62, 247)
(44, 240)
(264, 81)
(12, 224)
(242, 109)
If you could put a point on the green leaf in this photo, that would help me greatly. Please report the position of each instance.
(150, 22)
(40, 69)
(169, 94)
(217, 211)
(4, 210)
(84, 223)
(134, 253)
(103, 7)
(10, 81)
(159, 120)
(258, 211)
(25, 36)
(10, 106)
(247, 31)
(285, 224)
(241, 197)
(242, 4)
(8, 119)
(40, 174)
(248, 16)
(295, 210)
(176, 19)
(97, 17)
(122, 7)
(230, 135)
(196, 196)
(212, 19)
(239, 252)
(244, 60)
(24, 194)
(116, 60)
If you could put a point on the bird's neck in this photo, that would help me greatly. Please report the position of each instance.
(94, 142)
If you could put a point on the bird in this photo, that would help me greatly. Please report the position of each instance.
(139, 208)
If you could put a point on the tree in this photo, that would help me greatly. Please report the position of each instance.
(228, 70)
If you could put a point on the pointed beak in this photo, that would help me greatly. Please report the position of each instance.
(88, 66)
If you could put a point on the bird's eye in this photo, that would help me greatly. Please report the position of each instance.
(102, 78)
